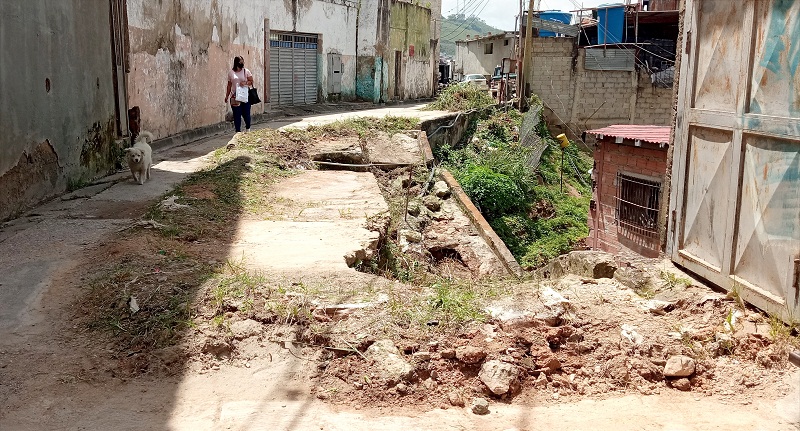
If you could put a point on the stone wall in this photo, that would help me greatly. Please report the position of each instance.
(648, 161)
(56, 98)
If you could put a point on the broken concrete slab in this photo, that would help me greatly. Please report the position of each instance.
(398, 149)
(342, 150)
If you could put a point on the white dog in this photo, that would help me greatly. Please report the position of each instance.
(140, 157)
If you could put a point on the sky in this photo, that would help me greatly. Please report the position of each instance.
(501, 13)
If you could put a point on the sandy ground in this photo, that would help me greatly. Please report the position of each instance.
(50, 379)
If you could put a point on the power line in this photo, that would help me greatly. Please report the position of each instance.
(468, 22)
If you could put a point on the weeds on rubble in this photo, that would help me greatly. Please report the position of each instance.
(736, 295)
(781, 332)
(361, 127)
(644, 289)
(671, 280)
(449, 303)
(237, 284)
(461, 97)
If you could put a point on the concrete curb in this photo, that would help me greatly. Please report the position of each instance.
(484, 230)
(425, 148)
(212, 130)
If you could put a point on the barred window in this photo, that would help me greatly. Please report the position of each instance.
(637, 205)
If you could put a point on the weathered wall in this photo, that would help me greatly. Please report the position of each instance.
(372, 74)
(611, 158)
(409, 25)
(576, 99)
(335, 21)
(471, 57)
(181, 51)
(58, 134)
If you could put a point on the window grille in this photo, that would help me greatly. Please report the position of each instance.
(287, 40)
(637, 205)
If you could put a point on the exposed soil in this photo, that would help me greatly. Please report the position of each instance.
(202, 316)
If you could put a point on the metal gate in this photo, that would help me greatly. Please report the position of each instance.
(293, 68)
(735, 197)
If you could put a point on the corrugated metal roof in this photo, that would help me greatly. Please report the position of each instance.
(655, 134)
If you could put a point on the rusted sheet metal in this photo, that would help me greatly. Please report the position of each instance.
(735, 195)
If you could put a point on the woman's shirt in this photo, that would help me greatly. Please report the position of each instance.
(236, 79)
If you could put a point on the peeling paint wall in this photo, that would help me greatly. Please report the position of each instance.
(410, 26)
(56, 99)
(181, 51)
(372, 50)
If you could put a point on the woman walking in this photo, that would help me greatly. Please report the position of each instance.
(239, 76)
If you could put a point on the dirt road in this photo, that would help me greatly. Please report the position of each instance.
(53, 376)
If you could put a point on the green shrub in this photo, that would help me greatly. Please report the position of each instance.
(493, 193)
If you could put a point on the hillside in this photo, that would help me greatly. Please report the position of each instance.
(457, 27)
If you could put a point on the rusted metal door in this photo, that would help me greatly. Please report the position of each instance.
(735, 198)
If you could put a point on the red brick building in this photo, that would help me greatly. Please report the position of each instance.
(629, 166)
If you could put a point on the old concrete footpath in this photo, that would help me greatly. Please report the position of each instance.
(272, 391)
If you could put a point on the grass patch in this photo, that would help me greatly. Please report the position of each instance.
(461, 97)
(361, 127)
(671, 280)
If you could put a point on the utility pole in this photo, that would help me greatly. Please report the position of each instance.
(527, 61)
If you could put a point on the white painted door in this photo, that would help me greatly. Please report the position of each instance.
(735, 199)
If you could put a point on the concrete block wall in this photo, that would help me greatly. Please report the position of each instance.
(576, 99)
(610, 159)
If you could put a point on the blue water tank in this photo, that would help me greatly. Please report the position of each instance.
(554, 15)
(610, 23)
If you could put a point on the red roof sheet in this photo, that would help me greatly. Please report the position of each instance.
(656, 134)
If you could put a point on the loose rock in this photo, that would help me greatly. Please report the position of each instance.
(480, 406)
(498, 376)
(440, 190)
(470, 354)
(388, 360)
(432, 203)
(679, 366)
(682, 384)
(455, 399)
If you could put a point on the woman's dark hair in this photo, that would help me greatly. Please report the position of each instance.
(238, 63)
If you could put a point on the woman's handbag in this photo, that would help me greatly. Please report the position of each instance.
(253, 96)
(242, 95)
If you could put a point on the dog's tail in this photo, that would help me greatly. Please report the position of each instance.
(147, 136)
